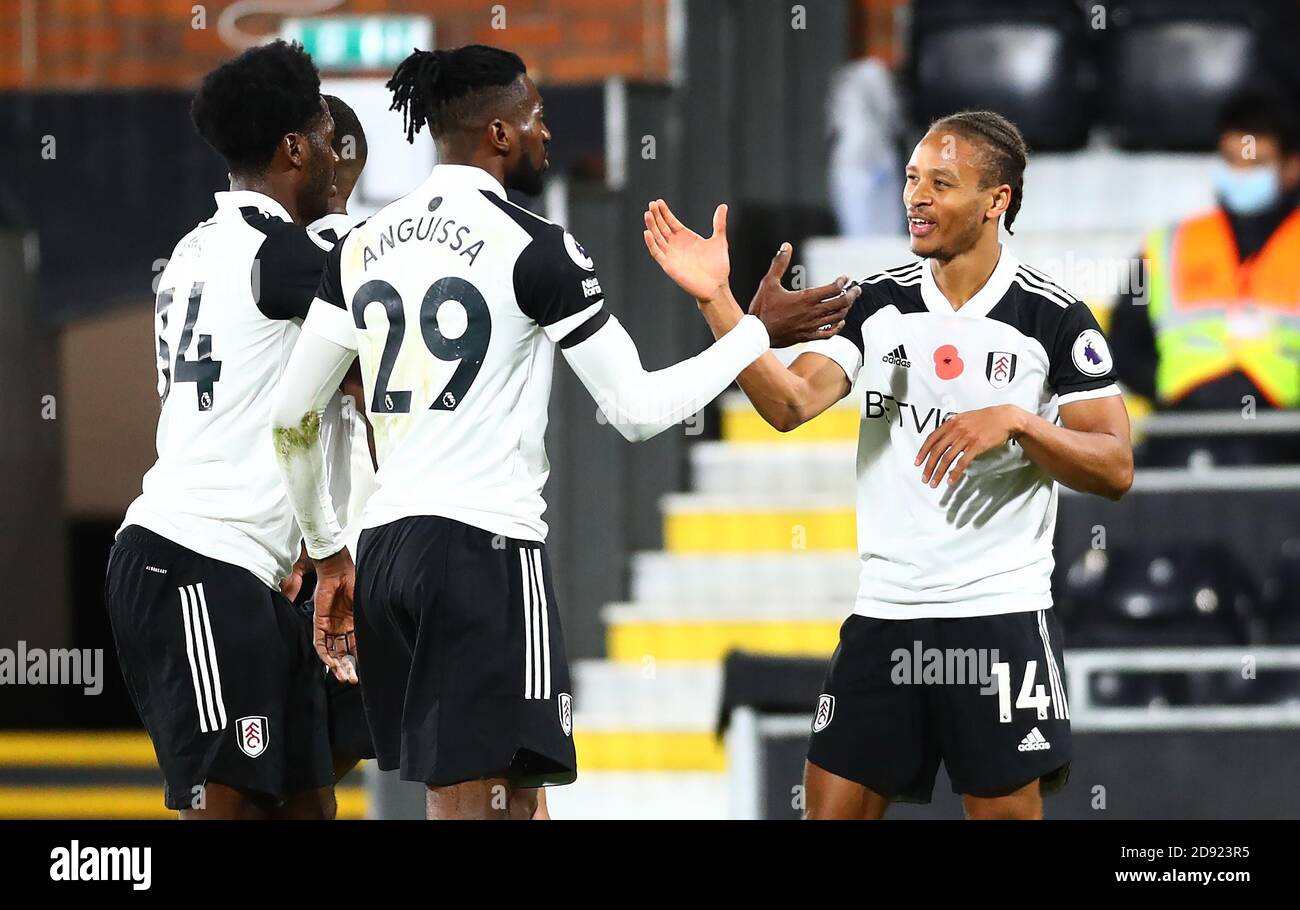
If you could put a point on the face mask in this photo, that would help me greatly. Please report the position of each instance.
(1247, 191)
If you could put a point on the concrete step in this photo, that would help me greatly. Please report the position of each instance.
(650, 636)
(774, 522)
(646, 695)
(784, 580)
(816, 468)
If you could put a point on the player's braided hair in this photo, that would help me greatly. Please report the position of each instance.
(448, 89)
(1006, 148)
(247, 105)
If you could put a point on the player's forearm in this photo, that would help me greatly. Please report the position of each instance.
(1090, 462)
(310, 378)
(642, 404)
(302, 469)
(781, 397)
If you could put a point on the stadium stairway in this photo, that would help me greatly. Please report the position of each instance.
(759, 556)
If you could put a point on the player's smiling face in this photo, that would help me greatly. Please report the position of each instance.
(946, 205)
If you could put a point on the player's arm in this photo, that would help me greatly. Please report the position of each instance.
(556, 285)
(785, 397)
(325, 349)
(1090, 451)
(642, 403)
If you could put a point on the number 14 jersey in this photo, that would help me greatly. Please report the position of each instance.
(455, 299)
(226, 317)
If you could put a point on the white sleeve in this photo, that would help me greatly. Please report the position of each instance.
(642, 404)
(310, 378)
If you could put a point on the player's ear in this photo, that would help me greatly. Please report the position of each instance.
(295, 148)
(499, 136)
(999, 202)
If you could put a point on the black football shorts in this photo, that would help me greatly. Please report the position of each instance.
(984, 694)
(220, 669)
(460, 654)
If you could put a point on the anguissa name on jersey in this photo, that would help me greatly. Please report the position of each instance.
(426, 229)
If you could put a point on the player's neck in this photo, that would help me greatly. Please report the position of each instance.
(492, 163)
(268, 188)
(961, 277)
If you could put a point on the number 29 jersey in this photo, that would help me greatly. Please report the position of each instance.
(227, 314)
(455, 299)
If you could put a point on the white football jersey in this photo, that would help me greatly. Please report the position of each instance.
(455, 299)
(229, 305)
(349, 471)
(983, 546)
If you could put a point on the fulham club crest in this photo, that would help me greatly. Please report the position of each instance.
(252, 735)
(825, 711)
(1000, 369)
(566, 713)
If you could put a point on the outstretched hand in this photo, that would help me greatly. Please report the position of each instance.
(793, 317)
(700, 267)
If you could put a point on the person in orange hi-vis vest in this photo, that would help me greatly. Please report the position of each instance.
(1214, 321)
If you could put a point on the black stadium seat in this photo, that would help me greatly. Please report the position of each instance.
(1190, 594)
(1168, 65)
(1027, 60)
(1282, 595)
(1110, 689)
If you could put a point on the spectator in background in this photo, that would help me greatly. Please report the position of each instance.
(1214, 322)
(866, 175)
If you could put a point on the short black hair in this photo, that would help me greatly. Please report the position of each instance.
(449, 89)
(1261, 110)
(347, 124)
(1008, 152)
(247, 105)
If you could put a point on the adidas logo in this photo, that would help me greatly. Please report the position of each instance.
(1034, 742)
(897, 357)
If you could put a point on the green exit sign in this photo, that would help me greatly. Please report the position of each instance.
(359, 42)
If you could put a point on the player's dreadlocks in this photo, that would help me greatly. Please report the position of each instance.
(247, 105)
(451, 89)
(1007, 151)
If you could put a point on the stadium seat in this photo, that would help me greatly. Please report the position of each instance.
(1167, 66)
(1115, 689)
(1112, 689)
(1266, 687)
(1190, 594)
(1282, 595)
(1026, 60)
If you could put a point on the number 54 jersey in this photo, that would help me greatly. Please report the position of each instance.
(455, 299)
(227, 314)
